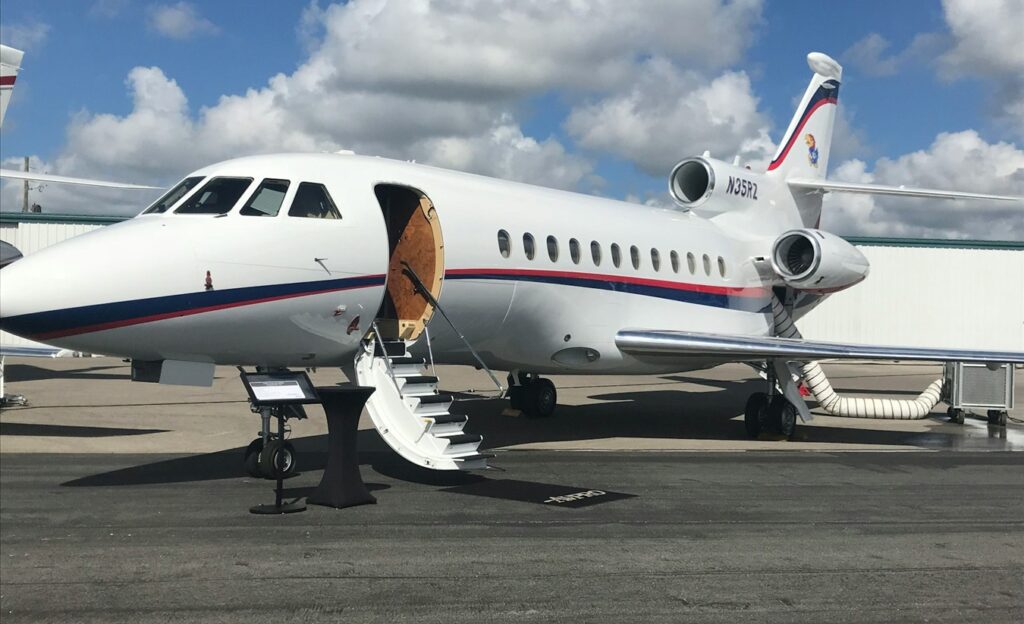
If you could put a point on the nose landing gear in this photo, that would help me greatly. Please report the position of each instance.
(270, 456)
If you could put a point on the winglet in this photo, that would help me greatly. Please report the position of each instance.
(10, 63)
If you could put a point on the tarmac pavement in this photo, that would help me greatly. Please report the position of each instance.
(126, 502)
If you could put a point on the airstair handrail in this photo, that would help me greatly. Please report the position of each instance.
(384, 350)
(422, 289)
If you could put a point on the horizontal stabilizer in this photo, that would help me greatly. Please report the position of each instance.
(810, 184)
(643, 342)
(44, 177)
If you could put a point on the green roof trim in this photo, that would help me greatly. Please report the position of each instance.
(870, 241)
(47, 217)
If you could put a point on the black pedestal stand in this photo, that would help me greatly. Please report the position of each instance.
(342, 485)
(279, 506)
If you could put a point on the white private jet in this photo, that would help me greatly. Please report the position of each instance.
(311, 260)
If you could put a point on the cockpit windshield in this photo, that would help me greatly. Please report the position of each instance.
(172, 196)
(267, 200)
(218, 196)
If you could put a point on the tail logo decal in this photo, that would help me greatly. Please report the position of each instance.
(812, 149)
(827, 93)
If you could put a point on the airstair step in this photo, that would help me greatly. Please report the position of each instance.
(419, 380)
(463, 438)
(393, 349)
(474, 457)
(430, 399)
(444, 419)
(407, 360)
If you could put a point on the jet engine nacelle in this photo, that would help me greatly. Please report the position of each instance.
(817, 261)
(695, 180)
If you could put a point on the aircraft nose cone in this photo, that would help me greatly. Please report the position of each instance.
(15, 297)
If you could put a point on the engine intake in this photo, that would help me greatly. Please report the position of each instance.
(817, 261)
(691, 182)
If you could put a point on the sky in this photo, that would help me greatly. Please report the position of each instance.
(584, 95)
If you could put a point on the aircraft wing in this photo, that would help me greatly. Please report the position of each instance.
(43, 351)
(881, 189)
(44, 177)
(666, 343)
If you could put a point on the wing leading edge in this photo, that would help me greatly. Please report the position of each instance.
(808, 184)
(44, 177)
(646, 342)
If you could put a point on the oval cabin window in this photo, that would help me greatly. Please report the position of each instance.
(691, 263)
(721, 266)
(504, 243)
(655, 259)
(674, 257)
(529, 247)
(616, 255)
(595, 252)
(707, 265)
(574, 250)
(553, 248)
(634, 256)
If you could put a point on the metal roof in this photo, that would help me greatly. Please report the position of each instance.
(871, 241)
(47, 217)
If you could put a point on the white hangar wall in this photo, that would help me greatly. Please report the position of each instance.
(926, 293)
(946, 294)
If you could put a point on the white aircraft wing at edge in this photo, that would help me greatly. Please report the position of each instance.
(57, 179)
(646, 342)
(881, 189)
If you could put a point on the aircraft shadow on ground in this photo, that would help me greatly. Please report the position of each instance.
(664, 414)
(28, 372)
(69, 431)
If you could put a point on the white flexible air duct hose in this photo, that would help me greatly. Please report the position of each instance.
(854, 407)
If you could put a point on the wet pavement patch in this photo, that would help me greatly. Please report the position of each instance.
(548, 494)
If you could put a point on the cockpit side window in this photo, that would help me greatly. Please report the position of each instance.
(218, 196)
(267, 200)
(312, 201)
(172, 196)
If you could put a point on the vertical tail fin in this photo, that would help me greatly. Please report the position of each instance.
(805, 147)
(804, 150)
(10, 62)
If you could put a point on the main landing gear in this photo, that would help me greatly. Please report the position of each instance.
(770, 412)
(534, 396)
(270, 456)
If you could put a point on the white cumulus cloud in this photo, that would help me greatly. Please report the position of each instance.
(961, 161)
(668, 113)
(180, 21)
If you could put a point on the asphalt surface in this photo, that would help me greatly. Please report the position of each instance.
(768, 537)
(126, 503)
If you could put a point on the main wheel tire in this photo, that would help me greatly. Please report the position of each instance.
(277, 460)
(752, 414)
(783, 416)
(252, 458)
(542, 398)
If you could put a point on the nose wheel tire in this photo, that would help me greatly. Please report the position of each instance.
(252, 459)
(277, 459)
